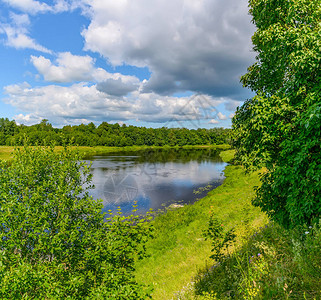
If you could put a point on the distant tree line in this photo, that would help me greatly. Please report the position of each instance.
(106, 134)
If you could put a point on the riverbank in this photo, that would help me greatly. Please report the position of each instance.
(6, 151)
(179, 250)
(265, 262)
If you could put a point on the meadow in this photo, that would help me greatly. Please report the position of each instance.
(6, 152)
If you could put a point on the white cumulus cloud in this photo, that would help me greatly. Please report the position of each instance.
(17, 34)
(221, 116)
(68, 105)
(69, 67)
(214, 121)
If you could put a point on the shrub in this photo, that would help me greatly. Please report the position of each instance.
(54, 240)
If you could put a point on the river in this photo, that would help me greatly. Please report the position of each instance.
(154, 179)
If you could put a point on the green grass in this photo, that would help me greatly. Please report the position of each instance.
(6, 151)
(179, 251)
(227, 155)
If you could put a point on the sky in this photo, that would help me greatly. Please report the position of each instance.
(147, 63)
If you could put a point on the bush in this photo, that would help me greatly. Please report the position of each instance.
(54, 239)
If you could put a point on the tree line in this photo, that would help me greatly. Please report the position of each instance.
(107, 134)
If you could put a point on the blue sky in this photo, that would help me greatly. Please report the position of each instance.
(140, 62)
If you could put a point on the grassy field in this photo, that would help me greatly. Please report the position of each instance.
(6, 151)
(179, 250)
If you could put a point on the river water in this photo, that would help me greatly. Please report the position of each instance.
(154, 178)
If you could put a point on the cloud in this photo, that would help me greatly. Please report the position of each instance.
(61, 104)
(232, 105)
(22, 41)
(213, 121)
(221, 116)
(17, 34)
(35, 7)
(27, 119)
(61, 6)
(69, 68)
(85, 103)
(117, 87)
(201, 46)
(28, 6)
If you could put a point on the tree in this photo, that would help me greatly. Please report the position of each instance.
(7, 130)
(54, 239)
(280, 126)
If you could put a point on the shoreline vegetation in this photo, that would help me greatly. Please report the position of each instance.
(54, 241)
(87, 151)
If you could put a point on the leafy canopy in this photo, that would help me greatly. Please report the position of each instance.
(54, 239)
(280, 127)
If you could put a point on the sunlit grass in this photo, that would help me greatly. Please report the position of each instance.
(6, 151)
(179, 249)
(227, 155)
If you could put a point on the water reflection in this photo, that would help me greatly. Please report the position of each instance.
(154, 178)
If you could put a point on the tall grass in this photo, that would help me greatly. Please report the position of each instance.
(272, 263)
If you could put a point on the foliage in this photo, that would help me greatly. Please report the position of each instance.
(259, 128)
(220, 239)
(252, 275)
(109, 135)
(280, 127)
(54, 241)
(291, 191)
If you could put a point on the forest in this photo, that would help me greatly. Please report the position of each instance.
(106, 134)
